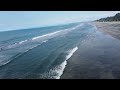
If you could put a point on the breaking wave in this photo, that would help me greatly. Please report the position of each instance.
(4, 60)
(56, 32)
(39, 37)
(58, 70)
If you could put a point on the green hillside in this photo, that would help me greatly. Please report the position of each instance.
(110, 19)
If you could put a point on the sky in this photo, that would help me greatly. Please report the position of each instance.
(13, 20)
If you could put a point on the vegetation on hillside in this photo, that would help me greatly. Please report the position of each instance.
(110, 19)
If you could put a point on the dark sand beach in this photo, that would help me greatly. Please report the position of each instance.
(98, 56)
(112, 28)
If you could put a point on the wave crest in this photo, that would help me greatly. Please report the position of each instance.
(56, 32)
(56, 72)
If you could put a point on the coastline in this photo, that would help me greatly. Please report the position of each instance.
(97, 58)
(111, 28)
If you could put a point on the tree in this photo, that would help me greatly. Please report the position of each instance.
(110, 19)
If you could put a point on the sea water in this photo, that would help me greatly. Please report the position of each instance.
(40, 53)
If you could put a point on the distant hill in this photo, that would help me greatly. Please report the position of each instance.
(110, 19)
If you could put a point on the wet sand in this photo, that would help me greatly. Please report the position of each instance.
(98, 56)
(112, 28)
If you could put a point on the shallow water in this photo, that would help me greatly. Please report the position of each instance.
(40, 52)
(98, 57)
(44, 53)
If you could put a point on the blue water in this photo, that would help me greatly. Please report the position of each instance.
(40, 53)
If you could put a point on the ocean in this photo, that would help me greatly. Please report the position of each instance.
(40, 53)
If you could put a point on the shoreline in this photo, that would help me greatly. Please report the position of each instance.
(110, 28)
(97, 58)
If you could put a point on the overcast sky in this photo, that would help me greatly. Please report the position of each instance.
(12, 20)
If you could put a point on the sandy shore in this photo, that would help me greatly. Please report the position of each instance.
(98, 57)
(112, 28)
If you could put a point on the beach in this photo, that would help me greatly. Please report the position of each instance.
(98, 56)
(60, 45)
(86, 50)
(40, 53)
(111, 28)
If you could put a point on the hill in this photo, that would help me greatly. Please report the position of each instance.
(110, 19)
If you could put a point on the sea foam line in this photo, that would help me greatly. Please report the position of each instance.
(14, 45)
(45, 35)
(38, 37)
(9, 60)
(63, 65)
(60, 68)
(56, 32)
(4, 63)
(23, 41)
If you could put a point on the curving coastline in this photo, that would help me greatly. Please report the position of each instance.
(97, 57)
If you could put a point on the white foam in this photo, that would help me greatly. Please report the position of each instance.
(23, 41)
(60, 68)
(45, 41)
(15, 44)
(4, 63)
(10, 46)
(50, 34)
(56, 32)
(4, 59)
(71, 52)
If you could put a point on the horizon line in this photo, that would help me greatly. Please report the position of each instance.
(9, 30)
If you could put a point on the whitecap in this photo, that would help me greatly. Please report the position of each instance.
(45, 35)
(23, 41)
(58, 70)
(56, 32)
